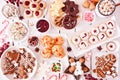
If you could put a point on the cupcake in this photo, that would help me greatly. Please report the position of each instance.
(42, 5)
(95, 31)
(111, 46)
(34, 6)
(102, 36)
(93, 39)
(37, 13)
(84, 35)
(75, 40)
(26, 3)
(110, 24)
(102, 27)
(83, 45)
(110, 32)
(27, 13)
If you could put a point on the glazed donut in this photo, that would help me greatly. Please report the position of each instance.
(84, 35)
(110, 32)
(95, 31)
(110, 24)
(69, 22)
(46, 53)
(59, 40)
(102, 27)
(102, 36)
(58, 51)
(75, 40)
(26, 3)
(42, 5)
(37, 13)
(28, 13)
(34, 6)
(93, 39)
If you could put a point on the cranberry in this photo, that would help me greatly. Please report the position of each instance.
(42, 25)
(27, 12)
(27, 2)
(69, 49)
(99, 48)
(37, 49)
(21, 17)
(34, 5)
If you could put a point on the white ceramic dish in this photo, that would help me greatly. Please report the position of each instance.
(30, 75)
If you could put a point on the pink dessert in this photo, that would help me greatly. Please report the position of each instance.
(89, 16)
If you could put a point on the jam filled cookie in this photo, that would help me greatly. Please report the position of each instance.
(110, 24)
(59, 40)
(58, 51)
(34, 6)
(27, 13)
(37, 13)
(42, 5)
(36, 0)
(111, 46)
(33, 41)
(102, 36)
(95, 31)
(102, 27)
(46, 53)
(84, 35)
(83, 45)
(110, 32)
(75, 40)
(26, 3)
(93, 39)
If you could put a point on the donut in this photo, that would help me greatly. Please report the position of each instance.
(69, 22)
(83, 44)
(58, 51)
(84, 35)
(42, 5)
(26, 3)
(102, 36)
(110, 24)
(75, 40)
(95, 31)
(34, 6)
(110, 32)
(37, 13)
(28, 13)
(111, 46)
(93, 39)
(46, 53)
(102, 27)
(59, 40)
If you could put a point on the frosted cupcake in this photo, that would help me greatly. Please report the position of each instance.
(102, 27)
(84, 35)
(75, 40)
(110, 32)
(102, 36)
(95, 31)
(93, 39)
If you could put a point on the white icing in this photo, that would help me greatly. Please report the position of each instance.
(73, 64)
(15, 64)
(78, 70)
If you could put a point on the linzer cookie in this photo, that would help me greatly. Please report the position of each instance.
(85, 40)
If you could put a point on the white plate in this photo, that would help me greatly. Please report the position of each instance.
(30, 75)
